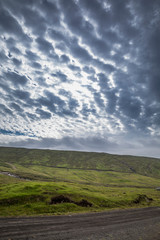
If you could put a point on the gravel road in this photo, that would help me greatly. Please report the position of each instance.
(132, 224)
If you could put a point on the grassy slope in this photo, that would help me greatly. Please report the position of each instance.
(83, 160)
(53, 173)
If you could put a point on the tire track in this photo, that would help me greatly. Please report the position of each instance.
(83, 226)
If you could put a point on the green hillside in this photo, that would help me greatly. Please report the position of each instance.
(30, 178)
(80, 160)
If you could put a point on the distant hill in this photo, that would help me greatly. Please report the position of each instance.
(80, 160)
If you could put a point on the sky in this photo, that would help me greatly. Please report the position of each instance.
(80, 75)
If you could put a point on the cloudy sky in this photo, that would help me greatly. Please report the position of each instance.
(80, 75)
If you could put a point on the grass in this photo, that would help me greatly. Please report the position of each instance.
(29, 198)
(106, 181)
(80, 160)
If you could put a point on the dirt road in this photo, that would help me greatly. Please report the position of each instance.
(133, 224)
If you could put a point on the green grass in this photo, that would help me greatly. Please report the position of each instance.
(29, 198)
(83, 160)
(107, 181)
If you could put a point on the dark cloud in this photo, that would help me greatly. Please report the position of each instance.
(64, 58)
(61, 46)
(51, 11)
(67, 113)
(151, 58)
(41, 81)
(11, 133)
(43, 114)
(108, 68)
(74, 68)
(58, 106)
(51, 101)
(10, 25)
(111, 101)
(63, 92)
(92, 78)
(31, 56)
(96, 11)
(89, 70)
(154, 85)
(16, 107)
(15, 78)
(23, 95)
(58, 36)
(129, 106)
(87, 110)
(61, 76)
(4, 85)
(9, 55)
(16, 62)
(73, 104)
(34, 21)
(79, 52)
(103, 81)
(32, 117)
(3, 57)
(11, 42)
(15, 50)
(98, 99)
(36, 65)
(44, 46)
(5, 110)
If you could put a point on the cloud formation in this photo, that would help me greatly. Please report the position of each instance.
(81, 75)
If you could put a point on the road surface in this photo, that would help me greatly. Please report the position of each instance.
(132, 224)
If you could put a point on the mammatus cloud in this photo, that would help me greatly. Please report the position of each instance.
(80, 75)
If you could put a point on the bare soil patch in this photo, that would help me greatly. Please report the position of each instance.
(142, 198)
(63, 199)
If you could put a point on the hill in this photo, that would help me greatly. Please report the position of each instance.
(34, 181)
(80, 160)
